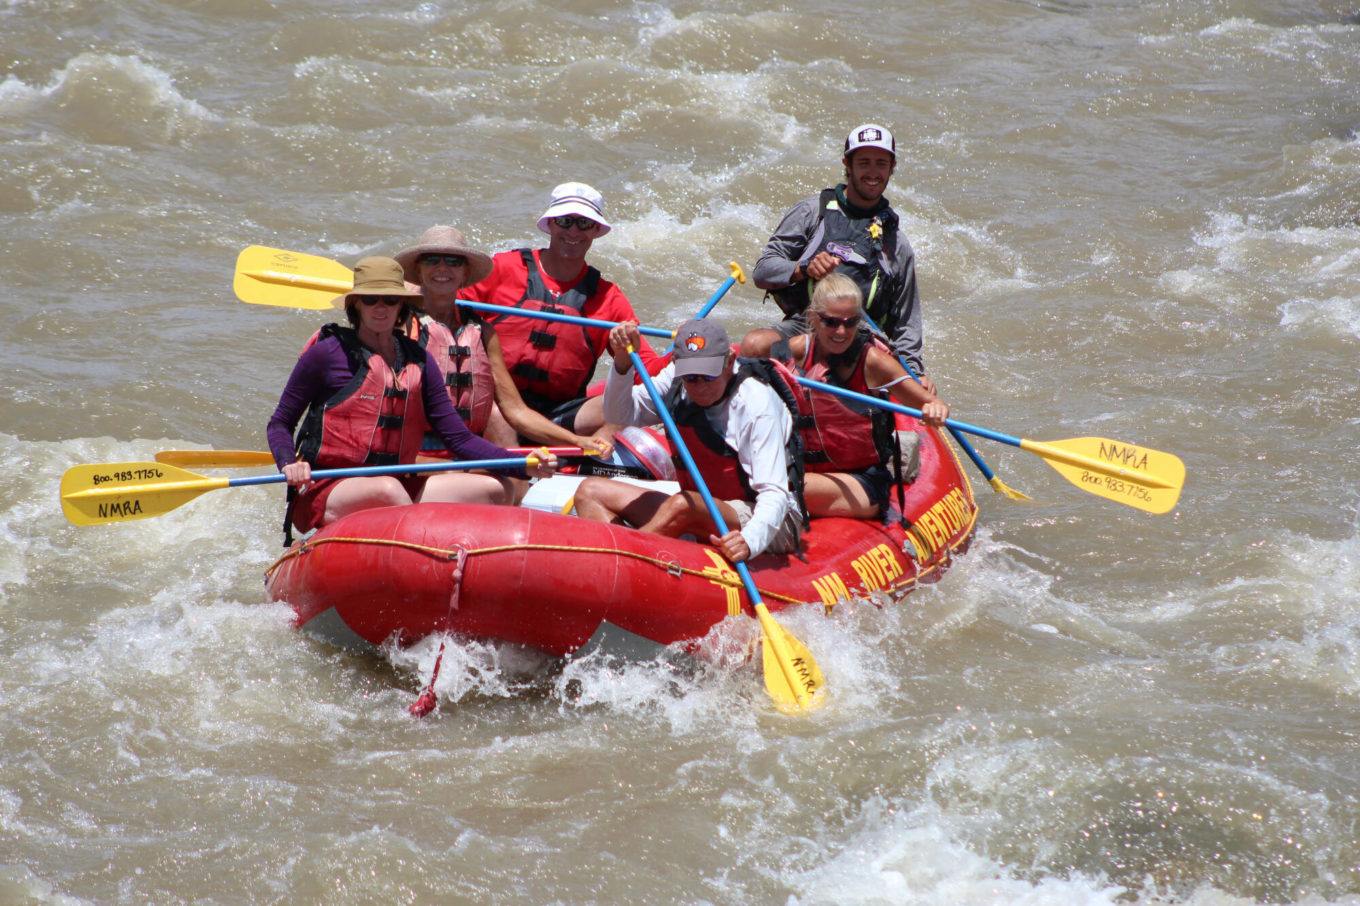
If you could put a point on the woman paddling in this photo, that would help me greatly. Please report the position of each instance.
(368, 393)
(467, 348)
(847, 445)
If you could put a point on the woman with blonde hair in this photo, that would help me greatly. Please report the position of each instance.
(847, 444)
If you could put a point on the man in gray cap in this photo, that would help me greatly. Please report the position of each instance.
(851, 229)
(737, 430)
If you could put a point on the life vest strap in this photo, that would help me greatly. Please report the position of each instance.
(529, 372)
(543, 339)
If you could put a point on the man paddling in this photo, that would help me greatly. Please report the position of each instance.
(735, 426)
(552, 363)
(850, 229)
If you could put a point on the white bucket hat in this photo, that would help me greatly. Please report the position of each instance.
(575, 198)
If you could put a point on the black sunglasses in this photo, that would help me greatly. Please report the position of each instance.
(451, 260)
(833, 323)
(697, 378)
(566, 221)
(389, 301)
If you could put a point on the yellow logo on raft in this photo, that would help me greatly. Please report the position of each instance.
(876, 569)
(943, 521)
(725, 577)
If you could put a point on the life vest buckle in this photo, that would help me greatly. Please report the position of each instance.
(543, 339)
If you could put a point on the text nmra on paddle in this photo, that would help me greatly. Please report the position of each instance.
(1124, 455)
(131, 475)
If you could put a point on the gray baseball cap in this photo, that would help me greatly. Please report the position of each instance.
(701, 347)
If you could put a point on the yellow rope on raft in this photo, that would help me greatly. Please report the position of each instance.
(667, 565)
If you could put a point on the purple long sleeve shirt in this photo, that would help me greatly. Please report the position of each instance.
(324, 369)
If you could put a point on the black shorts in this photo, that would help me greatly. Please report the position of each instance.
(877, 482)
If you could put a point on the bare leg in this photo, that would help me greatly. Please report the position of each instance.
(498, 430)
(618, 502)
(354, 494)
(757, 343)
(686, 513)
(837, 494)
(467, 487)
(590, 418)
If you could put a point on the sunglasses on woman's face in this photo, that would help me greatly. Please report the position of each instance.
(389, 301)
(450, 260)
(833, 323)
(566, 222)
(699, 378)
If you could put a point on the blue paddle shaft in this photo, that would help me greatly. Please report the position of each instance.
(688, 461)
(408, 469)
(708, 306)
(564, 319)
(963, 441)
(907, 410)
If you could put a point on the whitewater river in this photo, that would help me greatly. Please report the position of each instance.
(1134, 220)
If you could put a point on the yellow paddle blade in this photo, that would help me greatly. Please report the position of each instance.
(1135, 476)
(216, 459)
(123, 491)
(267, 276)
(792, 677)
(1002, 488)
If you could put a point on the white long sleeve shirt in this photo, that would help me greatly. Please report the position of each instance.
(754, 422)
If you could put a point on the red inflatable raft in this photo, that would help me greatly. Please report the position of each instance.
(556, 582)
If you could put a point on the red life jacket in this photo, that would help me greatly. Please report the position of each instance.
(716, 460)
(838, 435)
(377, 419)
(551, 362)
(722, 472)
(466, 366)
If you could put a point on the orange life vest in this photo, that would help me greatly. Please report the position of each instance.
(377, 419)
(466, 366)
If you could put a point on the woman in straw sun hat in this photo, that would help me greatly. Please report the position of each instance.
(468, 349)
(368, 393)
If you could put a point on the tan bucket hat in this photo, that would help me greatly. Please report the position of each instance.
(378, 276)
(444, 240)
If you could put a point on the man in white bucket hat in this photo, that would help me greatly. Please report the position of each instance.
(552, 363)
(851, 229)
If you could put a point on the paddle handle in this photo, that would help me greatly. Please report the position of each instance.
(401, 469)
(561, 318)
(683, 450)
(714, 299)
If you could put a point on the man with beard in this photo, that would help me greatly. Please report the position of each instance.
(849, 229)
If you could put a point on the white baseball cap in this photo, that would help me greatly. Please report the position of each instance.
(575, 198)
(870, 135)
